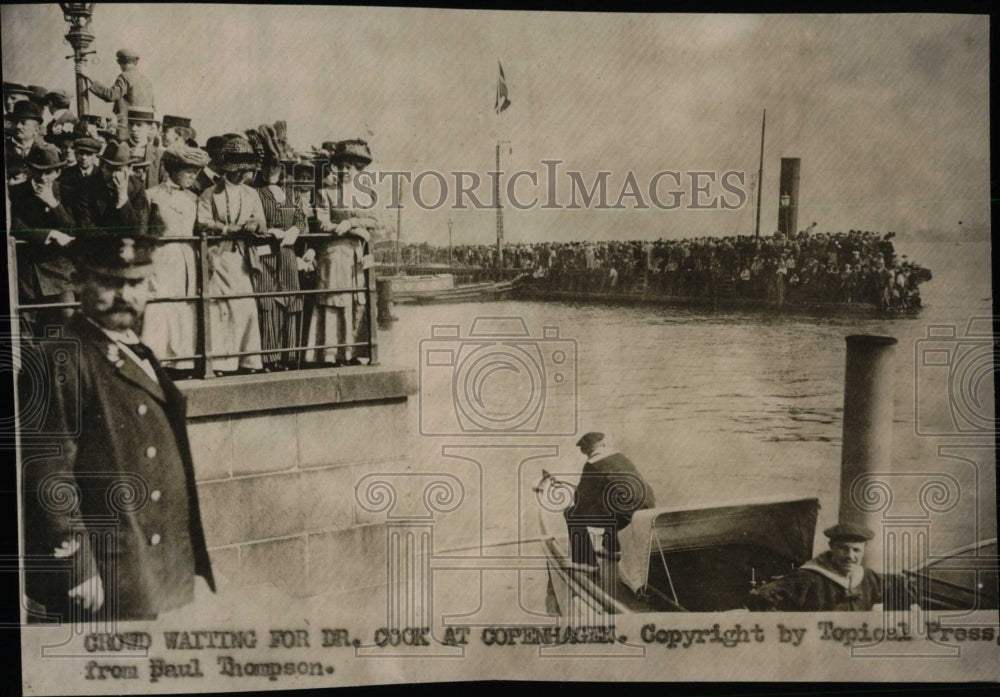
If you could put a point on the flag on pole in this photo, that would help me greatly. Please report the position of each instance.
(502, 101)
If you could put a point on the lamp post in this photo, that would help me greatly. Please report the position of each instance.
(78, 15)
(786, 207)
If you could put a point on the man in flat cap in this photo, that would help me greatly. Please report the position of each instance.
(80, 177)
(127, 542)
(63, 119)
(42, 221)
(116, 200)
(610, 491)
(131, 88)
(836, 580)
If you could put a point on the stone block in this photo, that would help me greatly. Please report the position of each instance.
(225, 566)
(211, 448)
(405, 490)
(362, 433)
(345, 559)
(266, 443)
(326, 499)
(251, 508)
(279, 562)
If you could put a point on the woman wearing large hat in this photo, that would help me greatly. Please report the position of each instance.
(280, 316)
(169, 328)
(340, 259)
(233, 209)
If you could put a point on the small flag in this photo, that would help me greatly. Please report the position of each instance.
(502, 101)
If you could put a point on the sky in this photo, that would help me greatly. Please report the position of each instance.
(888, 113)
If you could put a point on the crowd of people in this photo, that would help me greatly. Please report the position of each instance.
(274, 243)
(837, 267)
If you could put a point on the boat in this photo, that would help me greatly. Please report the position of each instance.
(963, 579)
(678, 559)
(465, 293)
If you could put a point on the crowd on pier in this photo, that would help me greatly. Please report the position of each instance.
(857, 266)
(238, 216)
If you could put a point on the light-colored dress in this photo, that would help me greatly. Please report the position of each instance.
(234, 326)
(169, 328)
(339, 264)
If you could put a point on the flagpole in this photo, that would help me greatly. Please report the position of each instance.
(496, 184)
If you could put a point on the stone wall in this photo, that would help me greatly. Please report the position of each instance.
(277, 458)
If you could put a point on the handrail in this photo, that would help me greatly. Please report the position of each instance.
(203, 340)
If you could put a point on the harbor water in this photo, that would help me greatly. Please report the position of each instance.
(716, 407)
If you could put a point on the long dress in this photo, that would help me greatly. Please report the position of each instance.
(339, 264)
(234, 325)
(170, 328)
(280, 316)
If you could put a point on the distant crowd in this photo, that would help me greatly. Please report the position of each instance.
(857, 266)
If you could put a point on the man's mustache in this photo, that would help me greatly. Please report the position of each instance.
(120, 307)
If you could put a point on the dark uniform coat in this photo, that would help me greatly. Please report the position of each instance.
(809, 589)
(120, 439)
(610, 491)
(97, 208)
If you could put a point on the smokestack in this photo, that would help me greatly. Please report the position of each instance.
(869, 386)
(788, 215)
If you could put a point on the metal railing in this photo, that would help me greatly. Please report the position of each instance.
(204, 356)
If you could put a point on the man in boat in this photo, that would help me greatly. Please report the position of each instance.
(610, 491)
(835, 580)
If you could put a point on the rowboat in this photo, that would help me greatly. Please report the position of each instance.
(677, 559)
(464, 293)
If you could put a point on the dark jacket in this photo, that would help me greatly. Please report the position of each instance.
(808, 590)
(97, 208)
(74, 184)
(111, 469)
(610, 491)
(43, 269)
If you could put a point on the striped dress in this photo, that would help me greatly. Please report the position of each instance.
(280, 316)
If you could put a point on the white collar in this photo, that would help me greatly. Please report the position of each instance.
(820, 565)
(600, 454)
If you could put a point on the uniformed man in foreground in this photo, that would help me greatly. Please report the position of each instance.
(610, 491)
(836, 580)
(112, 525)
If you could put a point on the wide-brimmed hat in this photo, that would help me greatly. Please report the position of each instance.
(354, 149)
(43, 158)
(237, 155)
(141, 113)
(118, 154)
(118, 253)
(181, 156)
(26, 109)
(15, 88)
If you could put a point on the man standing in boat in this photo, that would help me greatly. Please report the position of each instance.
(610, 491)
(836, 580)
